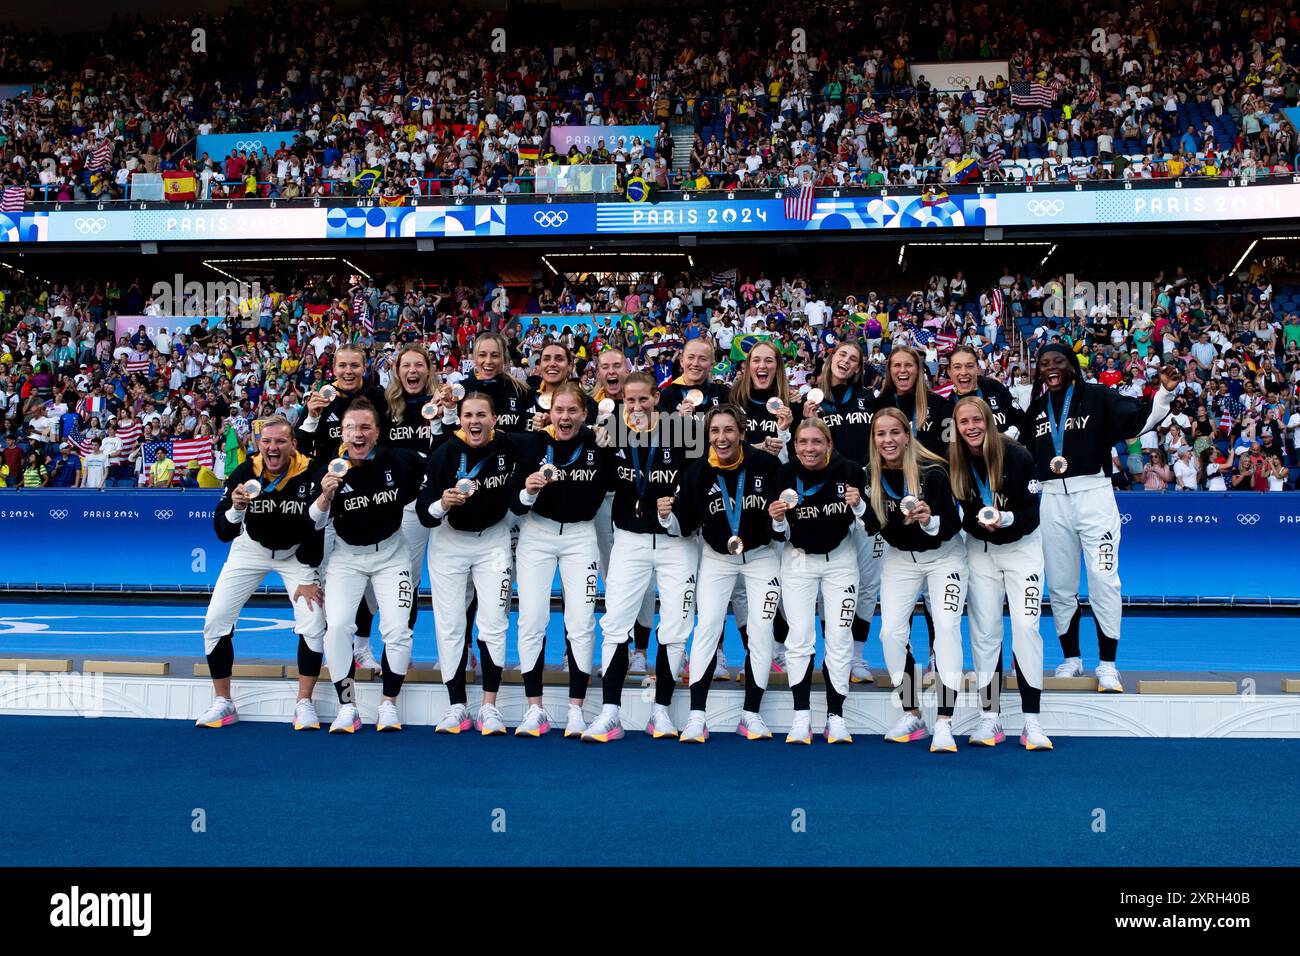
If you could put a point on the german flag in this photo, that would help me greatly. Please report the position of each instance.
(529, 154)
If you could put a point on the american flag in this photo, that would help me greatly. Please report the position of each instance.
(993, 155)
(78, 441)
(799, 203)
(1032, 93)
(186, 450)
(922, 336)
(130, 436)
(101, 155)
(14, 199)
(1225, 422)
(362, 313)
(945, 389)
(149, 450)
(946, 342)
(136, 363)
(998, 304)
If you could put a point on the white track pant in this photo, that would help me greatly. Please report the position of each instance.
(1084, 517)
(385, 569)
(330, 539)
(247, 566)
(871, 551)
(755, 578)
(464, 558)
(1016, 571)
(904, 575)
(833, 577)
(636, 562)
(544, 544)
(604, 523)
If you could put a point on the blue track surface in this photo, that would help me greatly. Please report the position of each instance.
(1173, 642)
(122, 792)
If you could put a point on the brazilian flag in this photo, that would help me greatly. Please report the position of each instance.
(632, 331)
(741, 345)
(364, 182)
(723, 369)
(639, 189)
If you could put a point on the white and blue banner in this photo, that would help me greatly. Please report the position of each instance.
(220, 145)
(703, 214)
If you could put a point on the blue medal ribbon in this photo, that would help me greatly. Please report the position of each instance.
(734, 509)
(271, 487)
(986, 495)
(1058, 429)
(642, 476)
(806, 493)
(833, 406)
(889, 489)
(464, 463)
(550, 455)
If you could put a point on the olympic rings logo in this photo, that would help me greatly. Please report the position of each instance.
(247, 145)
(957, 80)
(1248, 519)
(1046, 207)
(1125, 518)
(163, 513)
(93, 225)
(550, 218)
(59, 514)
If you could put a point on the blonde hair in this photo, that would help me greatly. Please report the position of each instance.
(395, 394)
(507, 363)
(916, 458)
(959, 457)
(816, 424)
(920, 391)
(741, 389)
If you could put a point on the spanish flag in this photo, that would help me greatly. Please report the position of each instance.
(179, 186)
(391, 200)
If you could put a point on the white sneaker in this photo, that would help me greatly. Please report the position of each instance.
(942, 741)
(860, 673)
(535, 723)
(837, 730)
(304, 715)
(800, 728)
(636, 662)
(660, 725)
(221, 713)
(1108, 678)
(606, 728)
(365, 657)
(1070, 667)
(720, 671)
(490, 723)
(753, 727)
(455, 721)
(696, 732)
(348, 720)
(1032, 736)
(778, 659)
(988, 732)
(907, 728)
(577, 723)
(387, 718)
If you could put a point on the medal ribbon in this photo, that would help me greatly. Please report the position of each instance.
(734, 509)
(986, 495)
(464, 462)
(550, 455)
(806, 493)
(1058, 429)
(642, 476)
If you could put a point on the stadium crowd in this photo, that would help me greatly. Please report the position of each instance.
(86, 403)
(437, 101)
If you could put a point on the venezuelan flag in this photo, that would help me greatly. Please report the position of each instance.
(963, 170)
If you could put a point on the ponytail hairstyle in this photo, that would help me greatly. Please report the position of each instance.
(507, 363)
(916, 459)
(395, 393)
(920, 391)
(816, 424)
(741, 389)
(959, 457)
